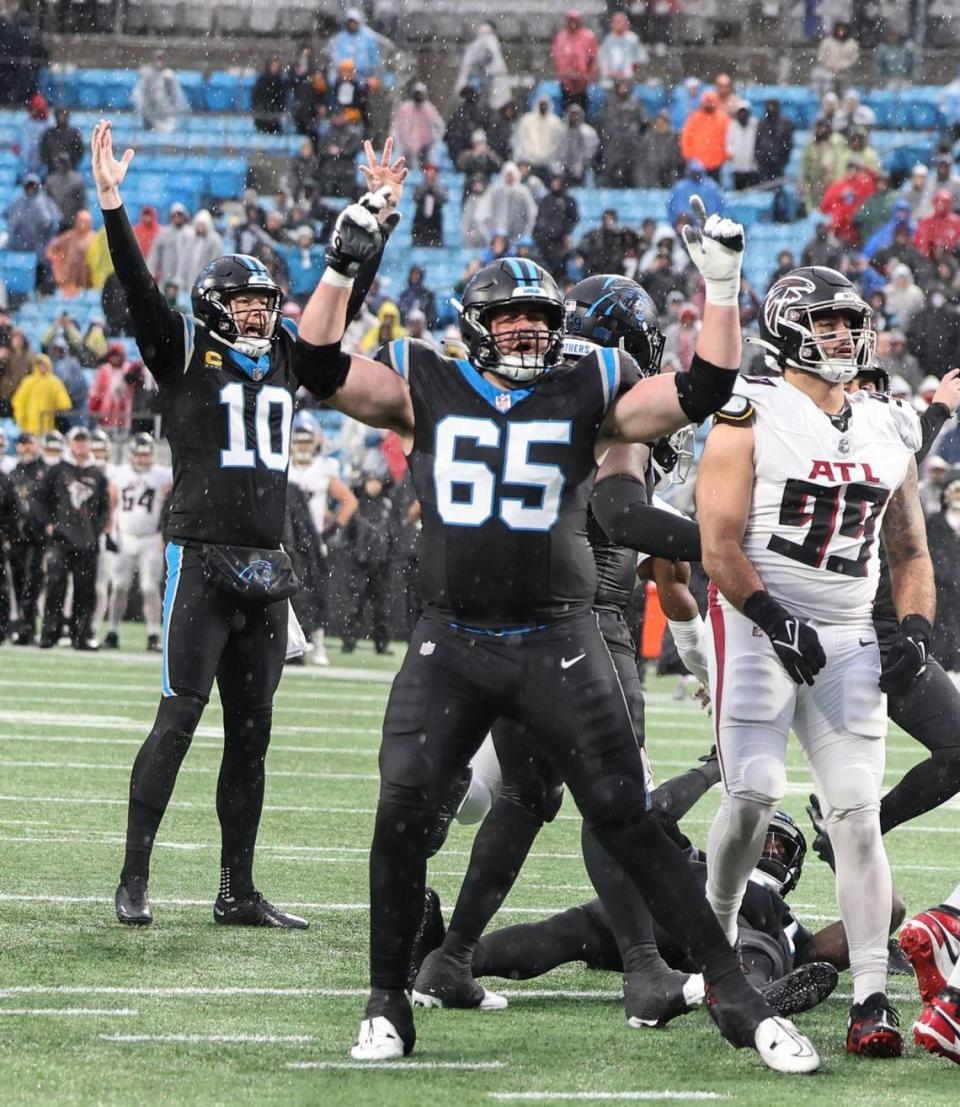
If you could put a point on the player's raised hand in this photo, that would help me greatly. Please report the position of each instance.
(356, 236)
(108, 172)
(948, 391)
(381, 173)
(715, 246)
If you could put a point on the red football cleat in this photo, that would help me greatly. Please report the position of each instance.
(938, 1028)
(872, 1030)
(931, 942)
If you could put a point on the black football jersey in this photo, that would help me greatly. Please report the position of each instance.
(228, 419)
(504, 477)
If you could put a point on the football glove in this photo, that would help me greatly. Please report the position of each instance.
(715, 246)
(795, 643)
(111, 544)
(356, 236)
(907, 656)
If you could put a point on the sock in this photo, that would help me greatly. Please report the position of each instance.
(953, 900)
(532, 949)
(924, 787)
(246, 736)
(734, 845)
(118, 607)
(864, 895)
(476, 803)
(486, 767)
(676, 796)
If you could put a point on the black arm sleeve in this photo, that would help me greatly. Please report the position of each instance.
(931, 423)
(321, 369)
(366, 276)
(704, 388)
(159, 329)
(620, 506)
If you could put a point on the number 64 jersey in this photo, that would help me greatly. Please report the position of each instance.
(821, 488)
(504, 477)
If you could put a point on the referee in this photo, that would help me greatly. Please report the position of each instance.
(227, 376)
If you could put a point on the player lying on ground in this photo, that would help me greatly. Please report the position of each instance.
(796, 481)
(503, 456)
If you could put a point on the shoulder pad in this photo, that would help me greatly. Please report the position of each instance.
(289, 326)
(907, 422)
(738, 409)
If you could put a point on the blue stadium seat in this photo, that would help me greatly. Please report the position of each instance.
(18, 270)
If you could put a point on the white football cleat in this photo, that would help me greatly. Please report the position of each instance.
(490, 1001)
(377, 1040)
(783, 1048)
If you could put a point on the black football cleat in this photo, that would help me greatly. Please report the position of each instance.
(654, 998)
(111, 640)
(153, 644)
(447, 811)
(801, 989)
(430, 935)
(444, 981)
(872, 1029)
(897, 963)
(131, 902)
(254, 910)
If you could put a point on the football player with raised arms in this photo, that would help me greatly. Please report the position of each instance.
(227, 376)
(138, 490)
(503, 456)
(796, 484)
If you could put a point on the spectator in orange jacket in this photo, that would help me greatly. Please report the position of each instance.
(843, 198)
(704, 135)
(111, 395)
(941, 229)
(575, 51)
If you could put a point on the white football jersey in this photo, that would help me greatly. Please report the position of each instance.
(820, 494)
(140, 498)
(314, 480)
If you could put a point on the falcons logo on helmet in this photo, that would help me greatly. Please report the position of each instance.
(788, 290)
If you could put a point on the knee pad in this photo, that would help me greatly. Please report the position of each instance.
(853, 792)
(613, 801)
(249, 726)
(180, 714)
(542, 798)
(763, 780)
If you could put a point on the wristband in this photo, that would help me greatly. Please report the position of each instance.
(916, 626)
(762, 609)
(723, 293)
(335, 279)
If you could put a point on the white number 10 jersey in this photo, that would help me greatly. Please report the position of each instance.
(820, 494)
(140, 498)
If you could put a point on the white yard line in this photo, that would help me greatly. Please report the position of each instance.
(95, 801)
(87, 1012)
(398, 1066)
(649, 1097)
(275, 746)
(83, 766)
(210, 1039)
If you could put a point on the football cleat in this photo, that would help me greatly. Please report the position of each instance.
(447, 811)
(387, 1030)
(429, 936)
(111, 641)
(931, 942)
(897, 964)
(131, 902)
(801, 989)
(872, 1029)
(654, 998)
(445, 982)
(783, 1048)
(153, 644)
(736, 1008)
(938, 1028)
(254, 910)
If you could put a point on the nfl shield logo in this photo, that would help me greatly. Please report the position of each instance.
(427, 648)
(503, 401)
(844, 445)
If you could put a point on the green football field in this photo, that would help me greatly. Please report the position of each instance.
(186, 1012)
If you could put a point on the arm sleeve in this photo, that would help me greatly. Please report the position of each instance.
(365, 277)
(620, 506)
(161, 333)
(931, 423)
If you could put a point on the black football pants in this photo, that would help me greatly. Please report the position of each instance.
(561, 684)
(63, 562)
(26, 568)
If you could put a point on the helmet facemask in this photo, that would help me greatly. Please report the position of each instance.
(303, 446)
(518, 354)
(784, 848)
(672, 457)
(230, 328)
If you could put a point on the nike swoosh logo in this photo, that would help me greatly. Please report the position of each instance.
(565, 664)
(869, 642)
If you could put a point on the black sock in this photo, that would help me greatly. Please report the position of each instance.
(154, 776)
(678, 795)
(499, 851)
(246, 736)
(923, 788)
(531, 949)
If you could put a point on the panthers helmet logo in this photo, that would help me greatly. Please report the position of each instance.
(258, 572)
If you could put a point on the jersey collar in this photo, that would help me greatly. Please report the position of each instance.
(255, 368)
(500, 399)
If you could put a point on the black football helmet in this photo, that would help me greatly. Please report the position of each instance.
(788, 313)
(216, 286)
(877, 375)
(672, 457)
(783, 852)
(506, 283)
(614, 312)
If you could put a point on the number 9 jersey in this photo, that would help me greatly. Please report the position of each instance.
(504, 476)
(821, 487)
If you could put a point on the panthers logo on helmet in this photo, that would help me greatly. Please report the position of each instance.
(258, 572)
(788, 290)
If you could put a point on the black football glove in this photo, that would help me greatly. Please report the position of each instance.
(111, 544)
(795, 642)
(907, 656)
(356, 236)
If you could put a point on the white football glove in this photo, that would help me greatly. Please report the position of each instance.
(715, 246)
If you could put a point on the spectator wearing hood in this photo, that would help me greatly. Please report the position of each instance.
(36, 125)
(471, 217)
(483, 68)
(110, 403)
(508, 205)
(620, 123)
(852, 115)
(40, 399)
(207, 246)
(358, 43)
(603, 248)
(351, 91)
(785, 264)
(774, 143)
(622, 54)
(268, 99)
(914, 191)
(146, 229)
(61, 138)
(32, 221)
(69, 370)
(417, 126)
(862, 150)
(944, 176)
(502, 131)
(539, 133)
(574, 52)
(470, 115)
(704, 135)
(694, 183)
(680, 338)
(838, 52)
(742, 146)
(16, 361)
(339, 140)
(659, 163)
(305, 263)
(823, 161)
(895, 61)
(158, 97)
(902, 249)
(170, 254)
(387, 328)
(68, 256)
(479, 160)
(823, 248)
(883, 237)
(66, 188)
(934, 334)
(904, 297)
(875, 212)
(941, 229)
(684, 101)
(893, 351)
(416, 296)
(577, 148)
(429, 198)
(557, 215)
(843, 198)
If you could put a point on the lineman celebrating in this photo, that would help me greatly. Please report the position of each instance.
(227, 376)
